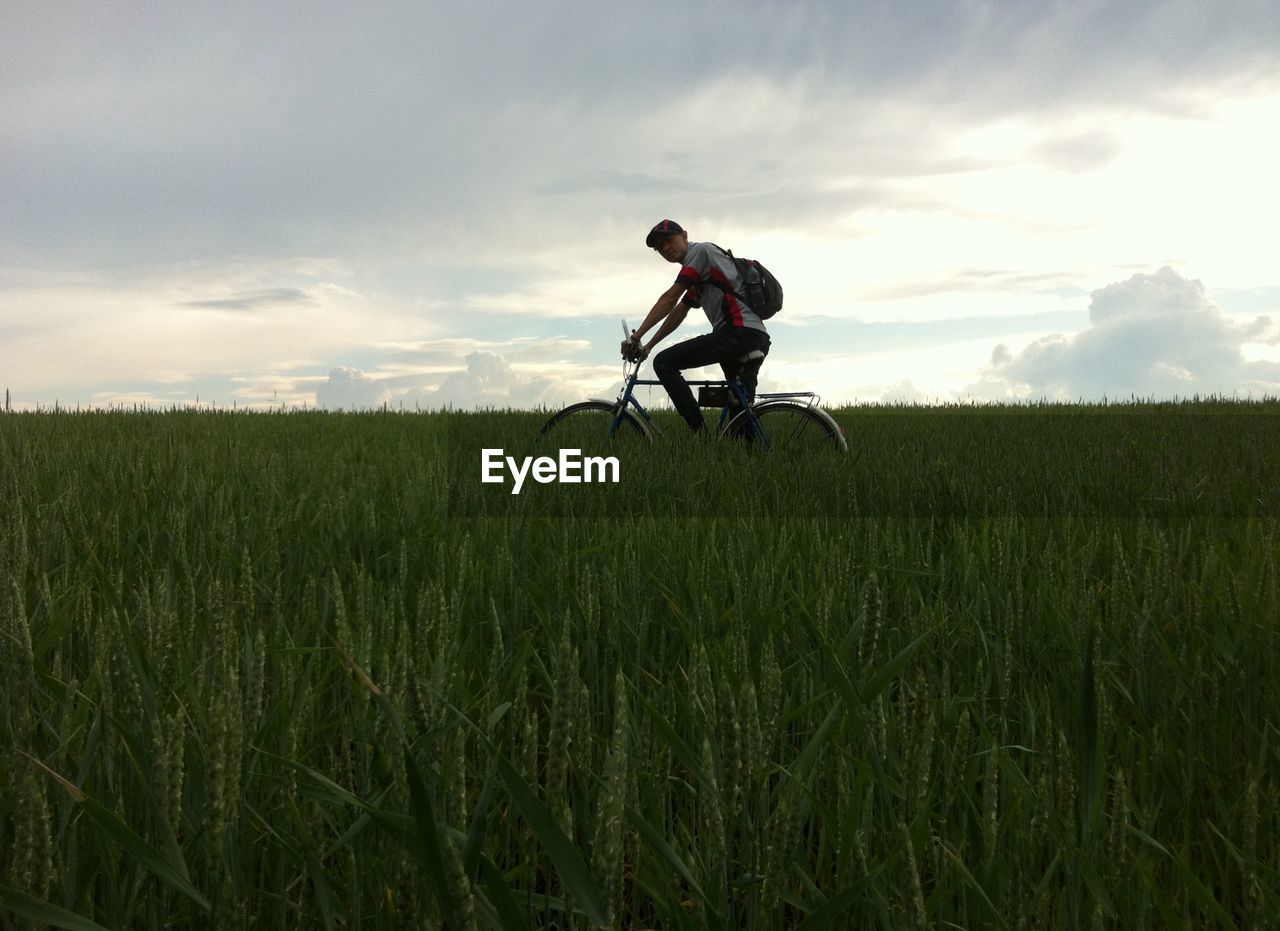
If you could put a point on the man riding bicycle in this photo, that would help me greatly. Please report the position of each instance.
(708, 279)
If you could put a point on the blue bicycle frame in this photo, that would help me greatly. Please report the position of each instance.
(628, 399)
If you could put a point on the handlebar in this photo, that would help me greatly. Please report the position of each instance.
(629, 334)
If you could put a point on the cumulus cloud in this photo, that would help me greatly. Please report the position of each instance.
(490, 381)
(351, 390)
(904, 392)
(1153, 335)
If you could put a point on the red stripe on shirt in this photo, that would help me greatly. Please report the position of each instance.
(719, 280)
(735, 310)
(689, 274)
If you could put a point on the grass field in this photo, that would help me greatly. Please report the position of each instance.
(1010, 667)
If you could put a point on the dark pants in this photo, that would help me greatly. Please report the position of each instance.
(724, 345)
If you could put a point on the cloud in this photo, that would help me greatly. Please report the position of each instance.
(253, 300)
(179, 135)
(490, 381)
(1152, 335)
(904, 392)
(1078, 152)
(454, 164)
(446, 353)
(972, 279)
(350, 389)
(627, 183)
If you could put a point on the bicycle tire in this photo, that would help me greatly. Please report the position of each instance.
(789, 426)
(585, 426)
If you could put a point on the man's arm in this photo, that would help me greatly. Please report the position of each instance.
(666, 303)
(672, 321)
(670, 309)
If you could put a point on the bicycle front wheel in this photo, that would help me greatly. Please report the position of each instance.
(586, 425)
(788, 426)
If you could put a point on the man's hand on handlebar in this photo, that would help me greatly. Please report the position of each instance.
(633, 350)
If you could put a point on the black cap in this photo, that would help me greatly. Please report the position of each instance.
(662, 231)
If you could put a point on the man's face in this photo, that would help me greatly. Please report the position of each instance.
(673, 247)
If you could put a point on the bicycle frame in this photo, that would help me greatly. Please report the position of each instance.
(627, 398)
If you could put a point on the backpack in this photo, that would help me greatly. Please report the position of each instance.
(761, 291)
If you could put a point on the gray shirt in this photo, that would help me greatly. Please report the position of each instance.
(715, 285)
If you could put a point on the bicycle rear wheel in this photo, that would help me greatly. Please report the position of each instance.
(585, 426)
(789, 427)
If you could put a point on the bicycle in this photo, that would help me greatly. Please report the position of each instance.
(779, 420)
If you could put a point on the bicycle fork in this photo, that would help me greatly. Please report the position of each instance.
(627, 398)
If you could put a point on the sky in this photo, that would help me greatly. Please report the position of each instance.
(429, 204)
